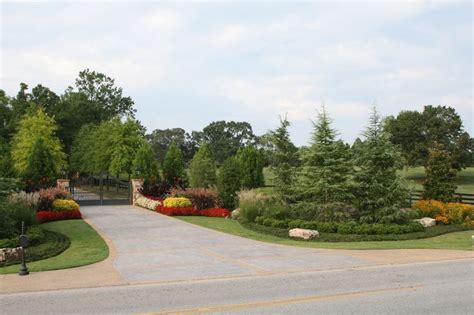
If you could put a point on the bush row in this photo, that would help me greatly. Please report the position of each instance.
(336, 237)
(342, 228)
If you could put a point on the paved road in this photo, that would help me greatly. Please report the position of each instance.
(425, 288)
(171, 266)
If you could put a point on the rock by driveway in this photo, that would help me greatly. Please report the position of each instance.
(155, 248)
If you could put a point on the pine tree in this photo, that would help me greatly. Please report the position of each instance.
(251, 162)
(440, 182)
(228, 182)
(203, 168)
(145, 165)
(286, 159)
(173, 166)
(40, 169)
(380, 192)
(325, 176)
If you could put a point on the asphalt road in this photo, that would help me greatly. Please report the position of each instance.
(423, 288)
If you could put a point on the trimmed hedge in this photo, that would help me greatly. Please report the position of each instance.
(342, 228)
(337, 237)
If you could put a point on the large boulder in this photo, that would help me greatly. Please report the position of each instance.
(235, 214)
(303, 233)
(426, 221)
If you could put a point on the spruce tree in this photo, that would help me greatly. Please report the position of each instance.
(145, 165)
(173, 166)
(203, 168)
(251, 162)
(286, 159)
(380, 192)
(228, 182)
(324, 180)
(440, 182)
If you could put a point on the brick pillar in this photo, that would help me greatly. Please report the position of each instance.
(63, 184)
(137, 184)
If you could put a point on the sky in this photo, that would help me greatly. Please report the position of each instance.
(186, 64)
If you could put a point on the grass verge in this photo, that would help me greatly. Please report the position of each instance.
(456, 240)
(87, 247)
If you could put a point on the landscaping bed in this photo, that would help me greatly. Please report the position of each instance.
(50, 244)
(338, 237)
(86, 247)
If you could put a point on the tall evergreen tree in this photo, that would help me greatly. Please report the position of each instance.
(380, 192)
(285, 159)
(325, 176)
(251, 162)
(228, 182)
(173, 166)
(145, 165)
(203, 168)
(440, 182)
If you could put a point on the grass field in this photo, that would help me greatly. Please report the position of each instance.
(87, 247)
(457, 240)
(465, 179)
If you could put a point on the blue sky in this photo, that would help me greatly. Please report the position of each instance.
(189, 63)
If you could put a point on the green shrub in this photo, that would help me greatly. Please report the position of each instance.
(7, 224)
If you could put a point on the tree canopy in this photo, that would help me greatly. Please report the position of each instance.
(35, 125)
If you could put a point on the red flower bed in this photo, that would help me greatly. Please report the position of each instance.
(215, 212)
(46, 216)
(177, 211)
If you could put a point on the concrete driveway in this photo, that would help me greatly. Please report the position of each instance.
(150, 247)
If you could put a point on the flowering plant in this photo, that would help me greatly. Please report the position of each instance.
(177, 202)
(147, 203)
(46, 216)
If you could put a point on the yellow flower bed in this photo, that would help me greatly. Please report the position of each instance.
(177, 202)
(450, 212)
(65, 205)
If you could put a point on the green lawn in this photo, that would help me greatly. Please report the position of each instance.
(465, 179)
(87, 247)
(457, 240)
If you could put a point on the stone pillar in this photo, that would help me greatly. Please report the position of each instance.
(63, 184)
(137, 184)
